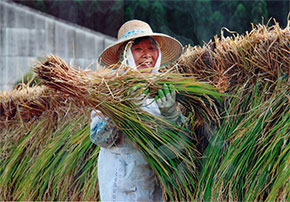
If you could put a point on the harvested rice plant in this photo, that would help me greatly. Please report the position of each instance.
(234, 91)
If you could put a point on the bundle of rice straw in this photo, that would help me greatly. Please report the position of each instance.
(30, 103)
(263, 54)
(167, 147)
(95, 88)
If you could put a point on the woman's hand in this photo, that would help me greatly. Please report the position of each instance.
(166, 101)
(138, 94)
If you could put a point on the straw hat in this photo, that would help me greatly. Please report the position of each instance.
(171, 48)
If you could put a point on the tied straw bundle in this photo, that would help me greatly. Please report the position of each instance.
(167, 147)
(259, 55)
(29, 103)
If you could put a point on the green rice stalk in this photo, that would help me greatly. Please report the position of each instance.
(247, 155)
(168, 148)
(57, 169)
(247, 158)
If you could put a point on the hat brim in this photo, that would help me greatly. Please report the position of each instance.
(170, 47)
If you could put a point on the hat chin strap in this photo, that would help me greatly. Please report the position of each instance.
(131, 62)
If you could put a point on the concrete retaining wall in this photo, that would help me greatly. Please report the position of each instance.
(26, 34)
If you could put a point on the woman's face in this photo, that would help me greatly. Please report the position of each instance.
(145, 54)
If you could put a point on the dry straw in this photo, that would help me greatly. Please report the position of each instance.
(263, 54)
(94, 87)
(168, 148)
(29, 103)
(107, 87)
(229, 62)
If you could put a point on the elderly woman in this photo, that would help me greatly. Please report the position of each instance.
(123, 173)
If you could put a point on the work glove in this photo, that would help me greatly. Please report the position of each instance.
(138, 95)
(166, 101)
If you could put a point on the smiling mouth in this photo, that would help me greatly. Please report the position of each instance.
(146, 64)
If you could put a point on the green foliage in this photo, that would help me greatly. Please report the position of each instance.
(29, 79)
(259, 9)
(192, 22)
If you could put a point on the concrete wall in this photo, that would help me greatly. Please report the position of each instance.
(26, 34)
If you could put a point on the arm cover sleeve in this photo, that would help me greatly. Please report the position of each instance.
(102, 132)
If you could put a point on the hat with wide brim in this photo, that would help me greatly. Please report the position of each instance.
(170, 47)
